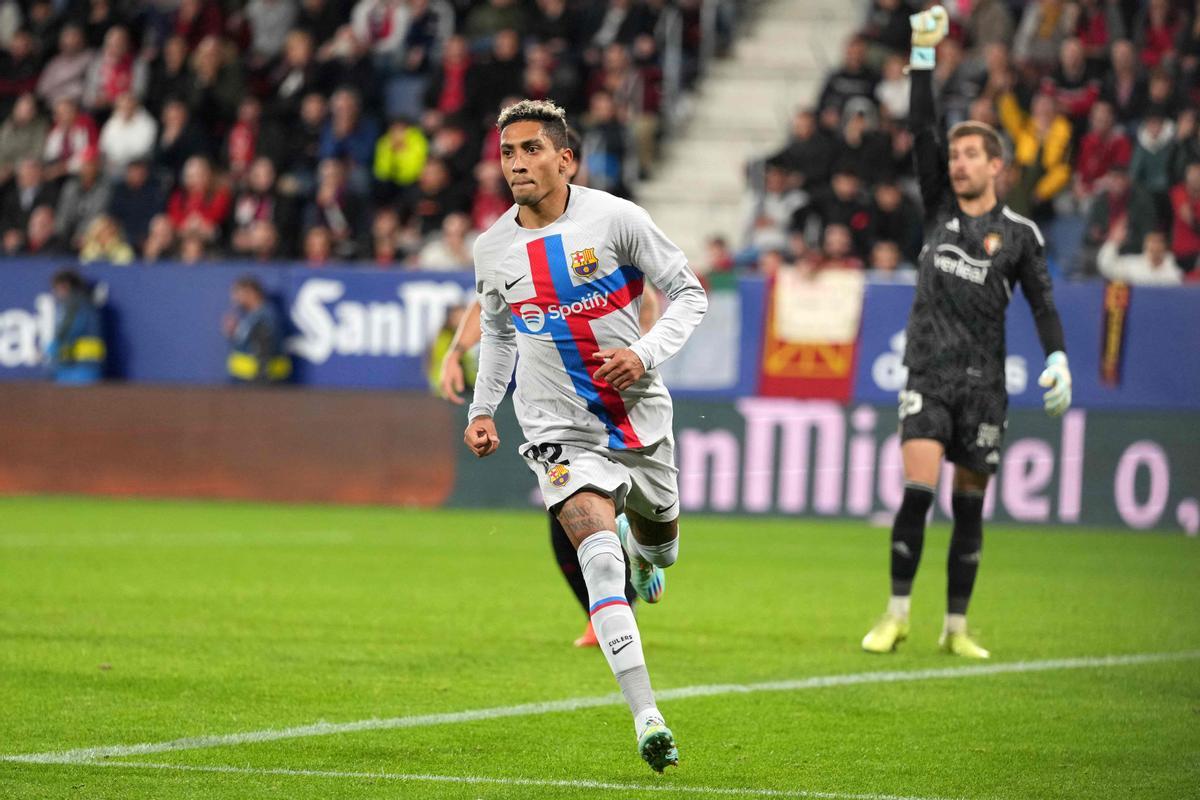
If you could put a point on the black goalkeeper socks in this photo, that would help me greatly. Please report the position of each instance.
(908, 536)
(966, 545)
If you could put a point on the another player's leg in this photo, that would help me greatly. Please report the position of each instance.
(568, 564)
(652, 546)
(589, 519)
(922, 461)
(962, 565)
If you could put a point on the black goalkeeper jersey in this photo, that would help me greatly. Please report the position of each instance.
(967, 271)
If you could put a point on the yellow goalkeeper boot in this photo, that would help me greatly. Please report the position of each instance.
(887, 633)
(959, 643)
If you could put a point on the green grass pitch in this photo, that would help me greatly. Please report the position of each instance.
(125, 622)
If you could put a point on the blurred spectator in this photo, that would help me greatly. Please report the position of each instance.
(399, 157)
(1162, 93)
(1187, 149)
(346, 61)
(259, 202)
(886, 260)
(112, 73)
(436, 196)
(19, 69)
(38, 238)
(386, 248)
(77, 351)
(318, 246)
(73, 135)
(717, 255)
(492, 195)
(1125, 86)
(197, 19)
(1153, 154)
(64, 75)
(1041, 142)
(217, 86)
(160, 240)
(1153, 266)
(894, 89)
(1097, 25)
(451, 249)
(321, 19)
(291, 78)
(808, 155)
(1072, 86)
(895, 218)
(1102, 148)
(770, 210)
(193, 247)
(862, 143)
(837, 249)
(336, 209)
(1185, 210)
(636, 103)
(447, 90)
(270, 21)
(452, 146)
(489, 17)
(887, 26)
(135, 200)
(168, 75)
(348, 135)
(1043, 26)
(128, 135)
(1157, 28)
(200, 205)
(496, 77)
(991, 22)
(255, 335)
(178, 140)
(84, 197)
(263, 241)
(844, 204)
(22, 136)
(959, 80)
(1117, 202)
(28, 190)
(381, 25)
(555, 26)
(854, 79)
(242, 143)
(296, 152)
(102, 241)
(605, 146)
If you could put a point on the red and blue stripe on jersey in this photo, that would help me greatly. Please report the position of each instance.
(572, 334)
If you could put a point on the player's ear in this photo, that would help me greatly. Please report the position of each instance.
(565, 157)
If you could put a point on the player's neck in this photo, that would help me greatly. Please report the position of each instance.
(978, 206)
(546, 210)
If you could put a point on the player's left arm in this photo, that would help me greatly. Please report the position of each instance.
(665, 265)
(1039, 291)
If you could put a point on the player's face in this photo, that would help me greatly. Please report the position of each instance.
(972, 171)
(532, 167)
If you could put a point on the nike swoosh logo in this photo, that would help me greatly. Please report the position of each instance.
(508, 285)
(622, 647)
(664, 509)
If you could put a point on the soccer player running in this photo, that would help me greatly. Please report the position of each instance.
(559, 283)
(976, 250)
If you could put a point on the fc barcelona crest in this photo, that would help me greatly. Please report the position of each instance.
(992, 242)
(559, 475)
(584, 262)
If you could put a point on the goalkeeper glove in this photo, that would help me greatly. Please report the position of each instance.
(928, 30)
(1056, 378)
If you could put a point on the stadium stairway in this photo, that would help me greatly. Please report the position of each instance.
(740, 112)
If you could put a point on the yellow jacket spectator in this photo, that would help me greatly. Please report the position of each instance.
(1041, 150)
(103, 242)
(400, 154)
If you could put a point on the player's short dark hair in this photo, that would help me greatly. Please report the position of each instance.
(553, 119)
(68, 277)
(991, 139)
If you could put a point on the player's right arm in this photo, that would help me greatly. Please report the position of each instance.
(497, 358)
(929, 28)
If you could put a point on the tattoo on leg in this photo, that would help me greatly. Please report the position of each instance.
(583, 516)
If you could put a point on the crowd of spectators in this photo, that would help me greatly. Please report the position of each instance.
(1096, 101)
(306, 129)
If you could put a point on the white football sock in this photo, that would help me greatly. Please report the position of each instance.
(956, 623)
(898, 606)
(660, 555)
(602, 562)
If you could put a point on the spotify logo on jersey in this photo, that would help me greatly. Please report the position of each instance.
(535, 320)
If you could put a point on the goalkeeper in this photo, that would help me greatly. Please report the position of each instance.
(976, 252)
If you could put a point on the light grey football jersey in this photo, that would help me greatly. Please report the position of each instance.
(557, 295)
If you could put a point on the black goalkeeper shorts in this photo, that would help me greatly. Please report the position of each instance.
(969, 421)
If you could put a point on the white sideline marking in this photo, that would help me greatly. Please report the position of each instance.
(637, 788)
(88, 754)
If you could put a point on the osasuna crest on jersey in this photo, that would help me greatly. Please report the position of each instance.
(991, 243)
(584, 262)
